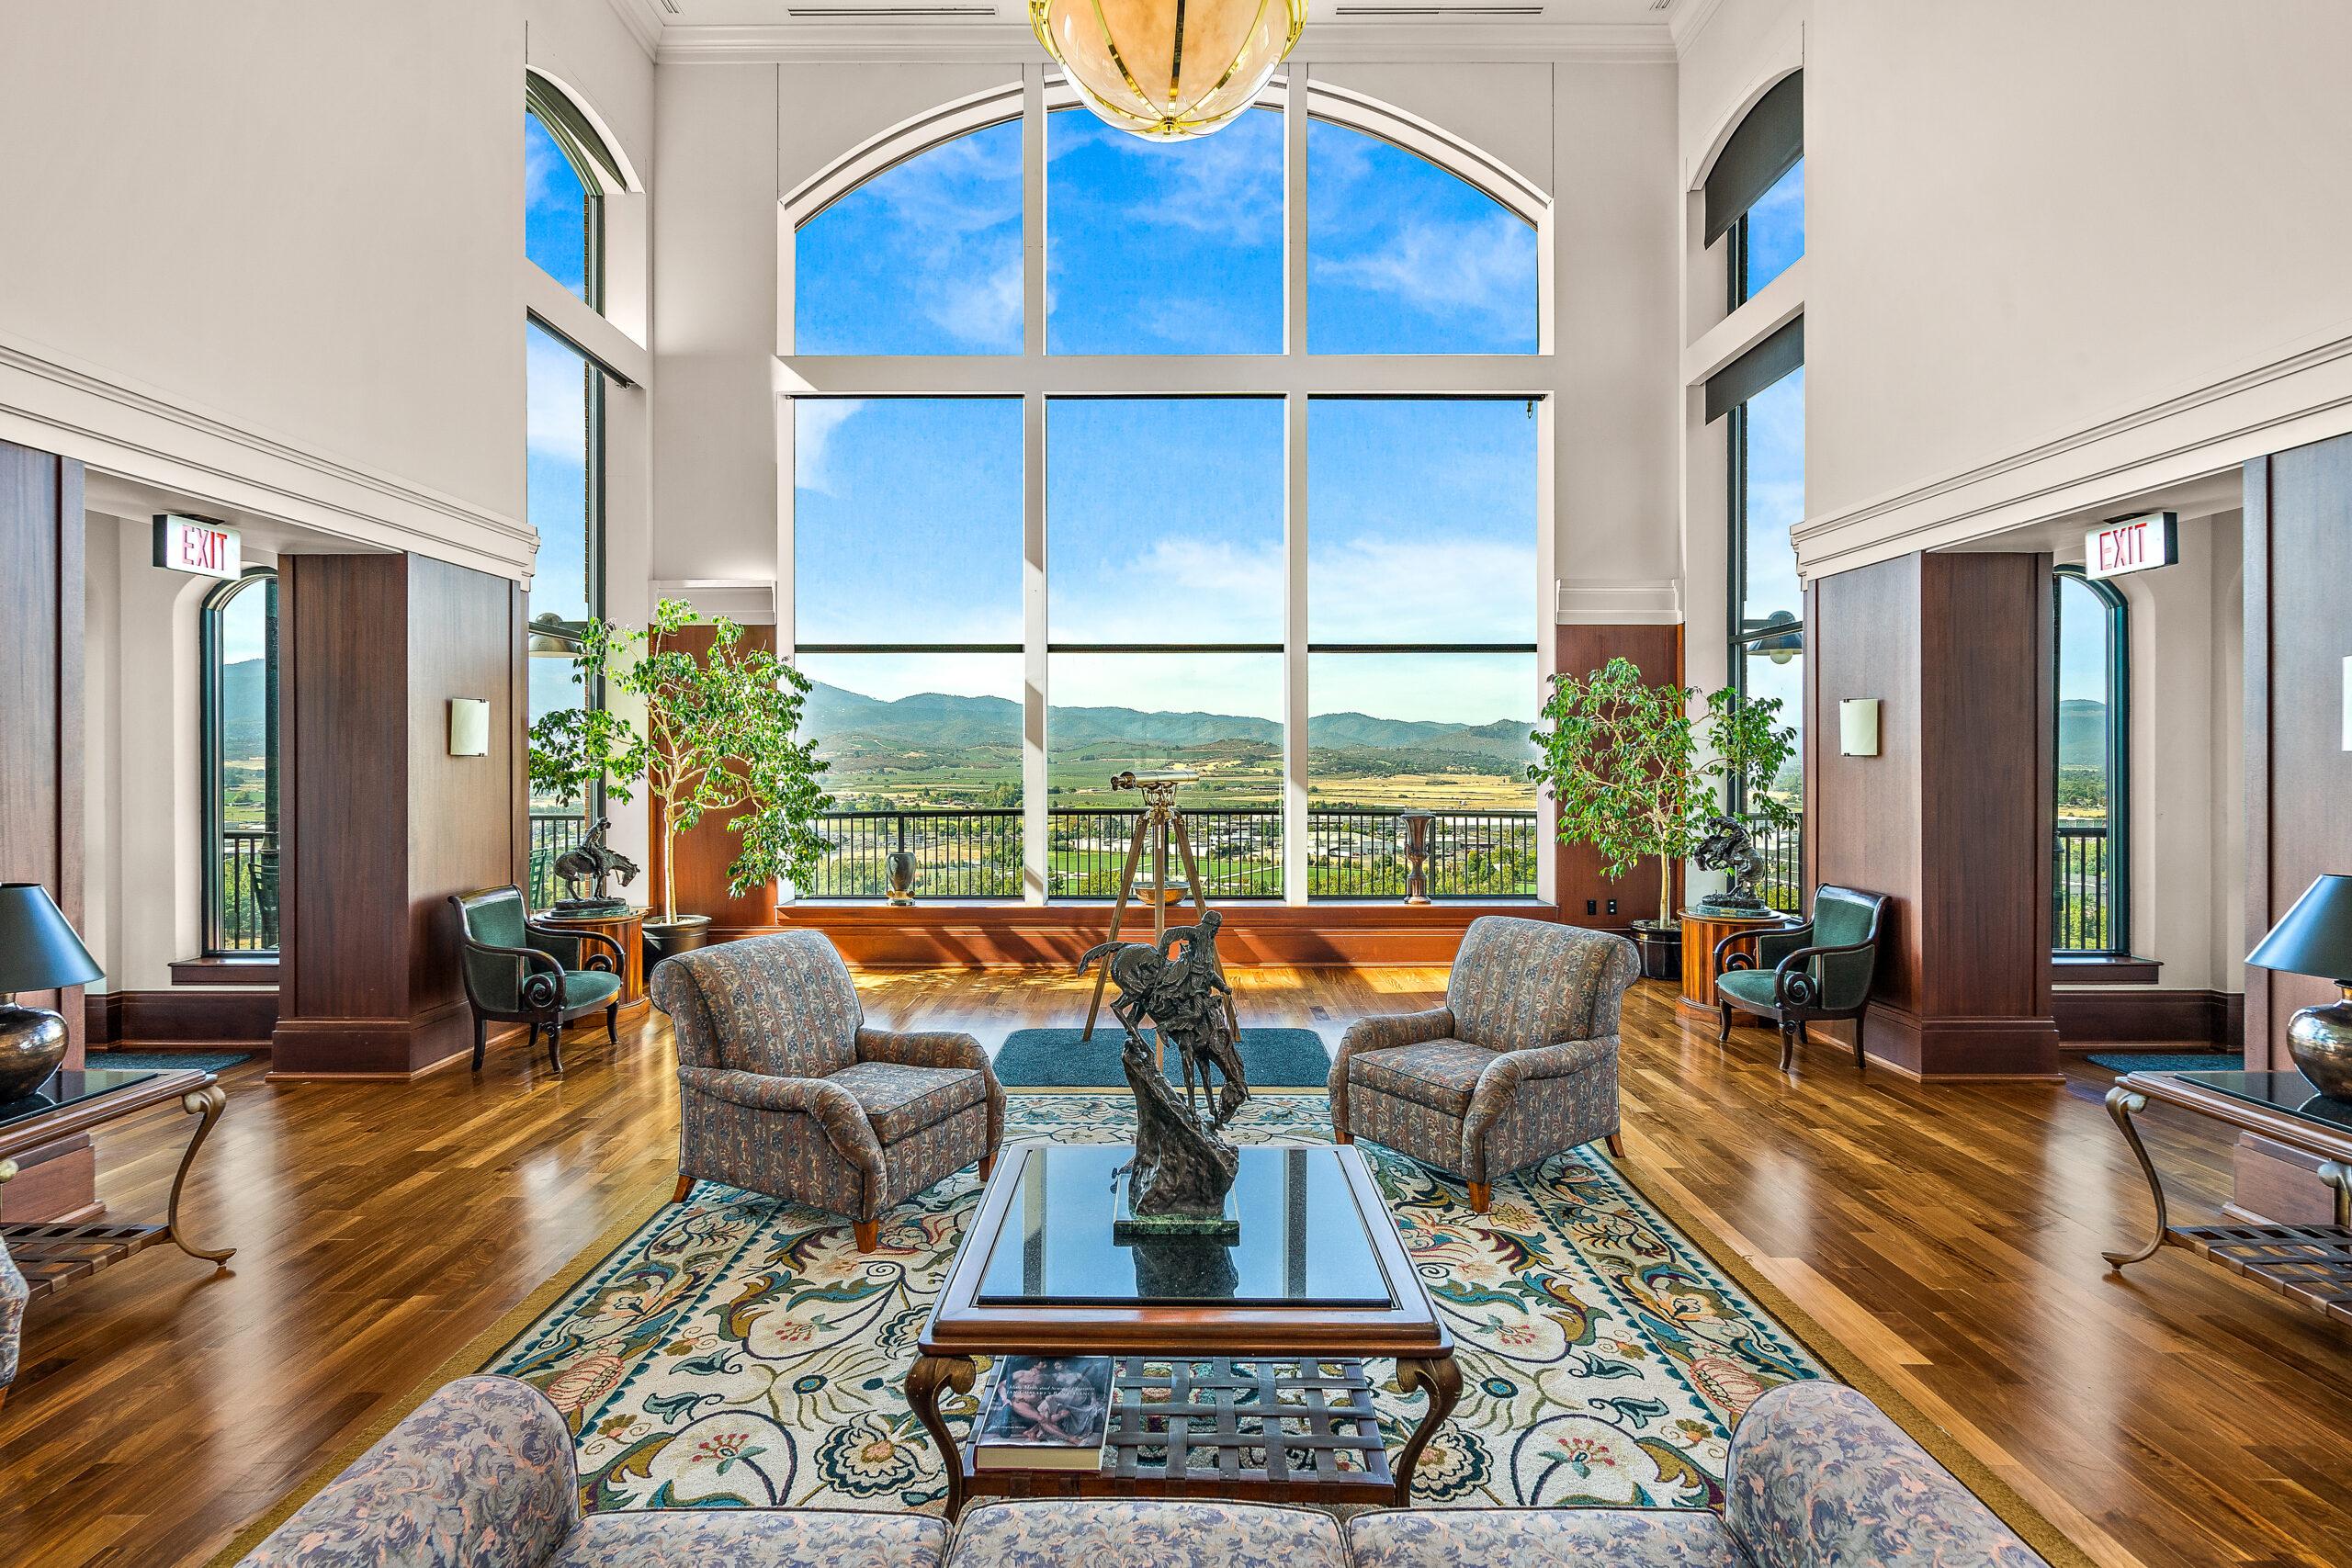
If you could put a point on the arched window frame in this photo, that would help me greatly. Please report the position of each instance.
(1294, 375)
(2116, 850)
(259, 862)
(586, 149)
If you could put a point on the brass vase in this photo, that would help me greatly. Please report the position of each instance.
(32, 1044)
(2320, 1040)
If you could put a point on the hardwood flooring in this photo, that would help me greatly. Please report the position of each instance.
(1948, 1236)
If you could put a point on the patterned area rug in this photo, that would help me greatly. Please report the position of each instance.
(737, 1351)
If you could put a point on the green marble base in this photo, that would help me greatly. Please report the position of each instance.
(1127, 1225)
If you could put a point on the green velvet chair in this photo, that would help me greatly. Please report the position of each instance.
(1794, 973)
(518, 970)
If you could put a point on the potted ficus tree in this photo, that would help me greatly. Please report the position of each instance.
(1637, 770)
(721, 734)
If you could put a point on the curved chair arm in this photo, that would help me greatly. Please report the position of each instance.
(1511, 1069)
(832, 1108)
(936, 1048)
(1381, 1034)
(613, 965)
(542, 985)
(1794, 985)
(1727, 957)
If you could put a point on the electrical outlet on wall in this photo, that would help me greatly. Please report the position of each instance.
(1612, 906)
(1593, 905)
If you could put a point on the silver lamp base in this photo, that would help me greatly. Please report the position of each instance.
(2320, 1040)
(32, 1042)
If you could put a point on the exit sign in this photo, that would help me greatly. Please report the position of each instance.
(195, 545)
(2132, 544)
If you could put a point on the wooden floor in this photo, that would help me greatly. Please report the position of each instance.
(1948, 1236)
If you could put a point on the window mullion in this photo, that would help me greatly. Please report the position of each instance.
(1035, 882)
(1296, 843)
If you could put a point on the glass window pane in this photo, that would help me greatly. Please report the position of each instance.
(1445, 733)
(243, 913)
(1406, 258)
(1216, 714)
(1775, 231)
(558, 220)
(923, 258)
(557, 476)
(906, 520)
(1775, 668)
(1164, 520)
(1421, 518)
(1774, 493)
(923, 754)
(2085, 659)
(1164, 247)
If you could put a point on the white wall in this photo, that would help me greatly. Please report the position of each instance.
(2059, 252)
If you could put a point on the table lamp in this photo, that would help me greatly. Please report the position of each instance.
(2315, 938)
(38, 952)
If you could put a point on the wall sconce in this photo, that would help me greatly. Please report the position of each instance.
(469, 727)
(1858, 726)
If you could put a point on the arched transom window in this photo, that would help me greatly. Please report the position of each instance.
(1210, 474)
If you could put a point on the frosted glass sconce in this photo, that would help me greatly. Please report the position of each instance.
(1858, 726)
(469, 727)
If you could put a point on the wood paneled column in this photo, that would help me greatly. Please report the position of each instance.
(41, 532)
(1578, 874)
(381, 824)
(1954, 817)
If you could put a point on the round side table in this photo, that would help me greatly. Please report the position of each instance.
(627, 930)
(1701, 931)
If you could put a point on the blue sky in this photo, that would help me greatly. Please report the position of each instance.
(554, 234)
(1776, 229)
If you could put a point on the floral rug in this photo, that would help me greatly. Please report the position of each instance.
(738, 1351)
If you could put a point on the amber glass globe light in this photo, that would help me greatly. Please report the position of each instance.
(1168, 69)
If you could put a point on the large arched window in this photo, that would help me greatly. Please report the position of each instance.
(567, 168)
(2090, 889)
(1210, 479)
(239, 765)
(1756, 192)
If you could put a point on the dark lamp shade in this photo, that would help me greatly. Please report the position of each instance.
(2315, 936)
(38, 952)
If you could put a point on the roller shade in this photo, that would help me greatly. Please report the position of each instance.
(1767, 145)
(1756, 369)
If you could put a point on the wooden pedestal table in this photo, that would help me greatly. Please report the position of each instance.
(52, 1256)
(1701, 932)
(626, 930)
(1226, 1339)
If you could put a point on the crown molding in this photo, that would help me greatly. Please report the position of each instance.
(989, 42)
(1688, 19)
(1589, 602)
(644, 21)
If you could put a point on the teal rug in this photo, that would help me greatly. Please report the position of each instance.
(1057, 1058)
(2158, 1062)
(161, 1061)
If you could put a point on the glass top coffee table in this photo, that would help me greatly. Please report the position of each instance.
(2310, 1264)
(1239, 1363)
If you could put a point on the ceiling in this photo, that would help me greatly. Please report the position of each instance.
(663, 19)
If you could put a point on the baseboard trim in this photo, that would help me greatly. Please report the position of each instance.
(1971, 1049)
(2103, 1015)
(371, 1047)
(197, 1017)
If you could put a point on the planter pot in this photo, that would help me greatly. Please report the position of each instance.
(1661, 948)
(666, 939)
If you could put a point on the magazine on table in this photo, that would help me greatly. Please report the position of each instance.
(1043, 1413)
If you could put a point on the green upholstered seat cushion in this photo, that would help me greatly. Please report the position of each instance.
(1751, 985)
(590, 988)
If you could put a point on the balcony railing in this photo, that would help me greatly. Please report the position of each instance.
(975, 854)
(553, 834)
(1783, 884)
(2081, 893)
(246, 919)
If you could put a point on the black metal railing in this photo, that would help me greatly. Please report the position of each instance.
(553, 834)
(246, 921)
(1352, 853)
(2081, 892)
(1783, 884)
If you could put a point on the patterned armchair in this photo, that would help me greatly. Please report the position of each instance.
(482, 1475)
(12, 1292)
(519, 970)
(1817, 968)
(1517, 1065)
(784, 1089)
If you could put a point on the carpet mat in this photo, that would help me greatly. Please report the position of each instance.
(159, 1061)
(1057, 1058)
(738, 1351)
(2158, 1062)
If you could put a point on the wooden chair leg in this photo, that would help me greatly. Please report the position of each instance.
(555, 1047)
(613, 1023)
(685, 1185)
(869, 1234)
(1344, 1137)
(482, 1039)
(1482, 1196)
(1861, 1061)
(1617, 1145)
(1788, 1045)
(1722, 1027)
(988, 1164)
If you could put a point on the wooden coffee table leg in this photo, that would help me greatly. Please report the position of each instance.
(1442, 1381)
(923, 1384)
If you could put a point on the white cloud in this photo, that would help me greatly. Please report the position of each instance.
(814, 420)
(977, 309)
(1485, 266)
(556, 398)
(1371, 589)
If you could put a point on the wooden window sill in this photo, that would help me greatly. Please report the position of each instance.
(225, 972)
(2104, 971)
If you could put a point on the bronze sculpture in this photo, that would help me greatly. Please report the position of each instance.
(1184, 1169)
(593, 861)
(1730, 848)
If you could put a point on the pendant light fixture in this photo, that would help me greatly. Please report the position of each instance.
(1167, 69)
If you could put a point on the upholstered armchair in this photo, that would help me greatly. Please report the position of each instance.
(1520, 1065)
(1817, 968)
(13, 1294)
(484, 1474)
(784, 1089)
(519, 970)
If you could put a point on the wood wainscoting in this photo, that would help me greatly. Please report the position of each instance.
(210, 1016)
(2102, 1015)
